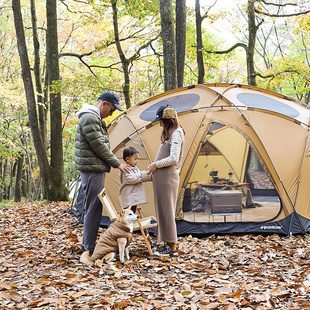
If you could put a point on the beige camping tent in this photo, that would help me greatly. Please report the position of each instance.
(230, 129)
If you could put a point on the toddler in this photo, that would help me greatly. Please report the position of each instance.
(132, 192)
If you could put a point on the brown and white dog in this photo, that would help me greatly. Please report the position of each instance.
(114, 240)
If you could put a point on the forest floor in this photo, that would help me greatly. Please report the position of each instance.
(40, 269)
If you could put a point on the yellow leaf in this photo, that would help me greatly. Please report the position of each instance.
(185, 292)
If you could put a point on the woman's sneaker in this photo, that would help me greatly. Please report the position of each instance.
(166, 251)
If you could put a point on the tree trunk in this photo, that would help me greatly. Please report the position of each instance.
(200, 64)
(13, 168)
(18, 179)
(180, 38)
(251, 74)
(57, 189)
(1, 179)
(4, 184)
(42, 107)
(53, 180)
(124, 60)
(24, 184)
(169, 48)
(4, 164)
(126, 85)
(29, 90)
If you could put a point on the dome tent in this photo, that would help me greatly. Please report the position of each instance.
(229, 128)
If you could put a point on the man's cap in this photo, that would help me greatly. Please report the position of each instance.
(165, 112)
(111, 97)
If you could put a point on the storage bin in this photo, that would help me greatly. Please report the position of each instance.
(227, 202)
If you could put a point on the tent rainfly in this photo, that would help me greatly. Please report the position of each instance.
(246, 163)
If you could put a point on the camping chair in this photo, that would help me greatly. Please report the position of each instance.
(142, 224)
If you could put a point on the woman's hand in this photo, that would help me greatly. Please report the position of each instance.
(151, 168)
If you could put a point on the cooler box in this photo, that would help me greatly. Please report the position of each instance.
(226, 202)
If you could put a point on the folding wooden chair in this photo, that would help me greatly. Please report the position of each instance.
(142, 224)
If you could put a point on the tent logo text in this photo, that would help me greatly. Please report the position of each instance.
(271, 227)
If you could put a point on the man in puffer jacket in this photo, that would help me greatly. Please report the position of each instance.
(93, 158)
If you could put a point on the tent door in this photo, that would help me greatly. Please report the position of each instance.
(227, 174)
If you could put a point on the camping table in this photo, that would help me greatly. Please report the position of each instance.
(221, 184)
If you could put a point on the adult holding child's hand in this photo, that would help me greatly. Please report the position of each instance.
(151, 168)
(166, 178)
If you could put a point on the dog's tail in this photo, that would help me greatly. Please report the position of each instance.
(85, 258)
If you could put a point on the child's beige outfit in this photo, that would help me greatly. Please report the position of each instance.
(132, 192)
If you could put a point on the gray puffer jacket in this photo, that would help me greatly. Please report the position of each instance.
(92, 147)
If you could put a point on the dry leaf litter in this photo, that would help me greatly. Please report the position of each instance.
(40, 269)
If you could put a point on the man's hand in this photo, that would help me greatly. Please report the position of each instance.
(124, 168)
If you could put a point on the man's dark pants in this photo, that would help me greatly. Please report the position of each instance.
(92, 184)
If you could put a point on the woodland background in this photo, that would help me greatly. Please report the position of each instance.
(56, 55)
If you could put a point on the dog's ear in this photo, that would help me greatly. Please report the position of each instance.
(119, 213)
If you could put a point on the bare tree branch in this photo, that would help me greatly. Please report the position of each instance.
(206, 14)
(80, 57)
(306, 49)
(137, 53)
(68, 37)
(282, 72)
(244, 46)
(111, 66)
(131, 59)
(278, 4)
(74, 12)
(191, 70)
(281, 15)
(75, 55)
(132, 36)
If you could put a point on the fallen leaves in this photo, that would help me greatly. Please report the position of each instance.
(40, 269)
